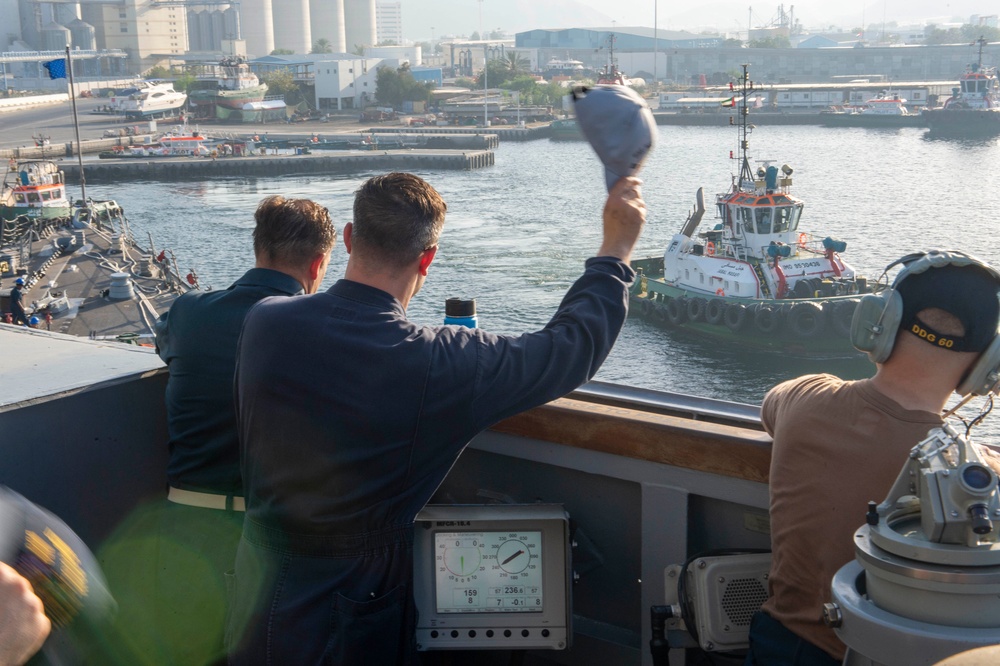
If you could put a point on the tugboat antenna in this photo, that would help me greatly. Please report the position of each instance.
(746, 175)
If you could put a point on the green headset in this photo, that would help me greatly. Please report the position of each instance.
(878, 316)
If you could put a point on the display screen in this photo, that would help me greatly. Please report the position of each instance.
(488, 572)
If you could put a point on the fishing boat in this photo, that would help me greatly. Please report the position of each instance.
(974, 106)
(756, 278)
(883, 110)
(565, 129)
(34, 188)
(149, 99)
(231, 85)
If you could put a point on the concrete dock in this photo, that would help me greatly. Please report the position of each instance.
(204, 168)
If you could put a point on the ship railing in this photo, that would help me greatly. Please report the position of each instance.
(671, 404)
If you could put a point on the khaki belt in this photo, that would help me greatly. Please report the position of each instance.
(206, 500)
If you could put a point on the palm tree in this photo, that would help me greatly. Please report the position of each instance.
(515, 64)
(322, 45)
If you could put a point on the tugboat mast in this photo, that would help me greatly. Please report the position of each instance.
(746, 87)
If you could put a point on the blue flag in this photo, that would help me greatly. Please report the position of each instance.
(57, 68)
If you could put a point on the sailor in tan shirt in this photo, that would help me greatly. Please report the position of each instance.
(839, 444)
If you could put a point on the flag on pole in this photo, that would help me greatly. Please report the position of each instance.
(729, 102)
(57, 68)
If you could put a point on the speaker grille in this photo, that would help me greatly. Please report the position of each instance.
(741, 598)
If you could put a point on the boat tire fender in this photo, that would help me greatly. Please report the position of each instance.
(735, 317)
(696, 309)
(806, 320)
(646, 307)
(715, 310)
(659, 314)
(840, 314)
(676, 309)
(767, 318)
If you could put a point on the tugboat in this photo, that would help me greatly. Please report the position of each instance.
(34, 188)
(756, 278)
(974, 106)
(566, 129)
(231, 86)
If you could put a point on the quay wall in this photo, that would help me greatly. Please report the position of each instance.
(203, 168)
(504, 133)
(68, 149)
(17, 103)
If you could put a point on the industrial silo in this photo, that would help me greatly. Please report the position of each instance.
(359, 23)
(194, 36)
(327, 22)
(55, 37)
(83, 34)
(258, 27)
(291, 26)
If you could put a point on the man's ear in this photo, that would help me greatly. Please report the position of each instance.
(348, 228)
(426, 258)
(316, 266)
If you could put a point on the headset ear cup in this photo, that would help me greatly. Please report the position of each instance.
(982, 377)
(876, 321)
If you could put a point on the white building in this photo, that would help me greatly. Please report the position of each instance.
(411, 54)
(149, 32)
(344, 80)
(389, 22)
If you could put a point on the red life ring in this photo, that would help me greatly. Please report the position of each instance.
(803, 239)
(720, 292)
(709, 249)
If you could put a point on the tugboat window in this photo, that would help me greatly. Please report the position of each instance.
(46, 196)
(33, 197)
(763, 220)
(19, 198)
(747, 220)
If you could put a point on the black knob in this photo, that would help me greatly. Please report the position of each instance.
(506, 633)
(434, 633)
(545, 633)
(980, 516)
(472, 633)
(454, 633)
(489, 633)
(525, 633)
(872, 516)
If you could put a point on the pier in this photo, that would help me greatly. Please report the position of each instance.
(204, 168)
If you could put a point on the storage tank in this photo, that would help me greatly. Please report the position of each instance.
(231, 24)
(83, 34)
(291, 26)
(258, 27)
(194, 36)
(55, 37)
(64, 14)
(327, 22)
(359, 23)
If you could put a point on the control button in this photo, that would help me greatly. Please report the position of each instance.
(472, 633)
(525, 633)
(489, 633)
(506, 633)
(545, 633)
(454, 633)
(434, 633)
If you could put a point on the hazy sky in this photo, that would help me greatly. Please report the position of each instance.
(463, 16)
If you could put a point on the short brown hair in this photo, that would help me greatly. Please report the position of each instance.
(292, 230)
(396, 217)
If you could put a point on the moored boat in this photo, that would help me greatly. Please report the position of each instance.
(756, 279)
(231, 85)
(565, 129)
(149, 99)
(34, 188)
(883, 110)
(974, 106)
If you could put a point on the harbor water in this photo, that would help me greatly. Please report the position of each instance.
(517, 234)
